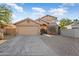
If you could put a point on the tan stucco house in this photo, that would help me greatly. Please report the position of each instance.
(27, 27)
(32, 27)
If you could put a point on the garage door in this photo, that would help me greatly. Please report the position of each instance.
(28, 30)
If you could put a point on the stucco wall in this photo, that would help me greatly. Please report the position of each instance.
(28, 27)
(49, 19)
(70, 33)
(76, 33)
(26, 23)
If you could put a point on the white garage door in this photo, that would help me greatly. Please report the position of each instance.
(28, 30)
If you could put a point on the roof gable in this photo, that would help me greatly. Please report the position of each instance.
(47, 18)
(27, 21)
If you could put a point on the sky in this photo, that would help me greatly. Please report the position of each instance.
(38, 10)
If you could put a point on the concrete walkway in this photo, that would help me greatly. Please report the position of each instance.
(25, 46)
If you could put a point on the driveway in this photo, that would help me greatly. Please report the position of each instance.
(40, 46)
(25, 46)
(62, 46)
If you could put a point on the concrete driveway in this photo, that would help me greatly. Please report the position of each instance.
(40, 46)
(25, 46)
(62, 46)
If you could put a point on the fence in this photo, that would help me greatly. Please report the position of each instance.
(70, 33)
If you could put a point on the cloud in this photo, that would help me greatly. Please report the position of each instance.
(38, 12)
(16, 7)
(57, 11)
(14, 16)
(38, 15)
(37, 9)
(68, 4)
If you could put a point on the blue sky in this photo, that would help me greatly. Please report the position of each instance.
(37, 10)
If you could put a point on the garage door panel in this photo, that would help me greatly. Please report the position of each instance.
(28, 30)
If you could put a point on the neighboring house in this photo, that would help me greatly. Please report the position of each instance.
(32, 27)
(10, 29)
(72, 26)
(1, 34)
(71, 30)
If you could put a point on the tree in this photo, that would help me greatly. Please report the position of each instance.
(75, 21)
(5, 15)
(64, 22)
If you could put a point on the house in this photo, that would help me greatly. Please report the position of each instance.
(33, 27)
(48, 19)
(53, 28)
(10, 29)
(47, 22)
(27, 27)
(71, 30)
(72, 26)
(1, 34)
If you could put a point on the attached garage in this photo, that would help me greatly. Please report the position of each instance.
(28, 30)
(28, 27)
